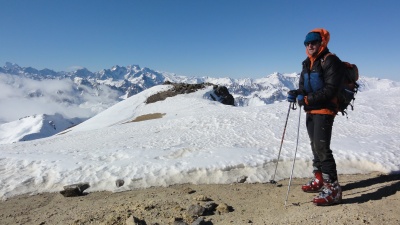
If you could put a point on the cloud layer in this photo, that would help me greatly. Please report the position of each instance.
(21, 97)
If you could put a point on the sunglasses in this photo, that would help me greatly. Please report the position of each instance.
(311, 42)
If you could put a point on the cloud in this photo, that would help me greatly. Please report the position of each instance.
(23, 97)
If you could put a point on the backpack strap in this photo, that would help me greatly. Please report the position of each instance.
(326, 55)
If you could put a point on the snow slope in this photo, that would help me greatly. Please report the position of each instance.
(199, 141)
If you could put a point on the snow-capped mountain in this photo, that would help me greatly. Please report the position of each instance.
(83, 94)
(130, 80)
(35, 127)
(125, 80)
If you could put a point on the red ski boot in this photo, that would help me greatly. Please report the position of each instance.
(330, 194)
(315, 184)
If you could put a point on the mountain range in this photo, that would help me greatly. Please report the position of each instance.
(133, 79)
(64, 99)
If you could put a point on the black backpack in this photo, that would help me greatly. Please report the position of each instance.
(348, 88)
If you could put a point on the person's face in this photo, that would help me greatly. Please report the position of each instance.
(313, 47)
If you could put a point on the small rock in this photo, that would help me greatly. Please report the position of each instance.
(81, 186)
(189, 190)
(119, 183)
(178, 221)
(71, 192)
(74, 190)
(242, 179)
(134, 221)
(222, 208)
(210, 208)
(195, 210)
(201, 198)
(199, 221)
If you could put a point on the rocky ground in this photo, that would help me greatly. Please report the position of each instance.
(368, 199)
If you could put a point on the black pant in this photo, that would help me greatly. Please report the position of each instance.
(319, 128)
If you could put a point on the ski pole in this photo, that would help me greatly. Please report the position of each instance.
(294, 160)
(272, 181)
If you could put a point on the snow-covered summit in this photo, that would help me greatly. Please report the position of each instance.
(34, 127)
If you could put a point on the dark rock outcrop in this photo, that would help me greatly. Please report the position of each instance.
(222, 95)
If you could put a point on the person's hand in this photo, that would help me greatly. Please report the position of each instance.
(300, 100)
(292, 94)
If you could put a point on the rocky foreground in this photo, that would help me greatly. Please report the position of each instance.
(368, 199)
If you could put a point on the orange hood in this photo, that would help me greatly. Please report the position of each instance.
(324, 44)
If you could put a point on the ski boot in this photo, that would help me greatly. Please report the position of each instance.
(330, 194)
(315, 184)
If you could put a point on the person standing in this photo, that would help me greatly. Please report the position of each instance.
(319, 84)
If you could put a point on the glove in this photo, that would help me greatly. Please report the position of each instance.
(300, 100)
(292, 94)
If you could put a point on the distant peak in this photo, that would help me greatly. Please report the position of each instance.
(134, 67)
(10, 65)
(115, 67)
(82, 69)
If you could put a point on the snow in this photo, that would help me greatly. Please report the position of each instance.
(34, 127)
(198, 141)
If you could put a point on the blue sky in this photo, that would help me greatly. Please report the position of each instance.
(217, 38)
